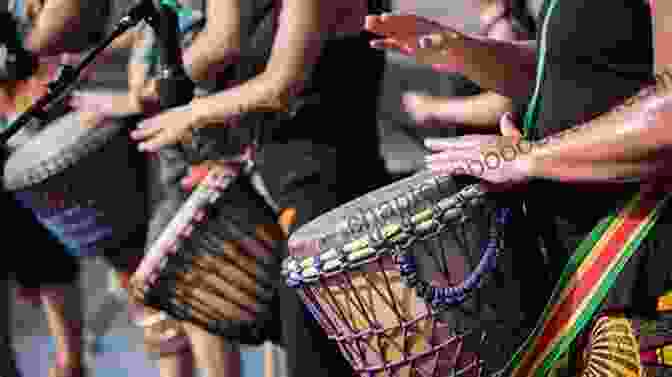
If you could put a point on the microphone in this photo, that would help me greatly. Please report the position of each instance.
(16, 63)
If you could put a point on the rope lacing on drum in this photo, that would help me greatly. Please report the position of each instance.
(398, 239)
(356, 326)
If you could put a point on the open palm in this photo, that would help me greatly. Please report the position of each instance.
(403, 33)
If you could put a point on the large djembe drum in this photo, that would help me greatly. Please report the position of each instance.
(405, 279)
(83, 181)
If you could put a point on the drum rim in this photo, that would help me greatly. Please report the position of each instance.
(423, 178)
(63, 158)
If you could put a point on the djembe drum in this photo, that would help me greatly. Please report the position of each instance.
(83, 183)
(405, 280)
(216, 262)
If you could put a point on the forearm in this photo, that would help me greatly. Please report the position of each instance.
(479, 111)
(218, 45)
(632, 141)
(303, 25)
(257, 94)
(505, 67)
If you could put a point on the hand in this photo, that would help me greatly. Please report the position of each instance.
(406, 33)
(170, 127)
(496, 159)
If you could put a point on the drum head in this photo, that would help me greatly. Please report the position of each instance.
(60, 145)
(338, 226)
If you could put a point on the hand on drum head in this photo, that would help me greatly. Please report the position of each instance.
(411, 35)
(496, 159)
(170, 127)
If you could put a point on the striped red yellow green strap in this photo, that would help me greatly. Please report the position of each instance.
(584, 283)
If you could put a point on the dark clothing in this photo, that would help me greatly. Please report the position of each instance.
(323, 156)
(590, 68)
(34, 256)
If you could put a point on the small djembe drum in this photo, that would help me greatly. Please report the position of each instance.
(215, 264)
(83, 183)
(395, 276)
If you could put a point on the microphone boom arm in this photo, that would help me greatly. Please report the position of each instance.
(68, 75)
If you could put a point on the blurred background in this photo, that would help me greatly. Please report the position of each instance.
(115, 346)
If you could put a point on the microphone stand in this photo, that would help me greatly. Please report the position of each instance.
(68, 75)
(174, 85)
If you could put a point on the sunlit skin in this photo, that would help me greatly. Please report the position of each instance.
(628, 143)
(302, 29)
(506, 67)
(477, 113)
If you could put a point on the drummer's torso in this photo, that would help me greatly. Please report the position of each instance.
(342, 87)
(347, 74)
(590, 67)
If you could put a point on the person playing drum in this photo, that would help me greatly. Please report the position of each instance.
(56, 287)
(594, 134)
(306, 161)
(209, 51)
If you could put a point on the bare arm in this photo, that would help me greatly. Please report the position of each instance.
(480, 112)
(218, 44)
(631, 142)
(303, 25)
(506, 67)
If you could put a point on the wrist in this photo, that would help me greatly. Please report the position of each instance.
(530, 163)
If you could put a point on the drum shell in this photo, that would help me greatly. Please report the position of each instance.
(92, 198)
(223, 276)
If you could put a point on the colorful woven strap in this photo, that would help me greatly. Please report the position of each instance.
(584, 283)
